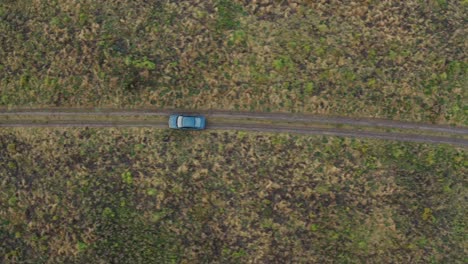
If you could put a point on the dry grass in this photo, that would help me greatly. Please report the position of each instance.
(394, 59)
(155, 196)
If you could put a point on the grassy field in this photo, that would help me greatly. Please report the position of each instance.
(394, 59)
(160, 196)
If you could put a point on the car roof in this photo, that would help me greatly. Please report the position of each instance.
(188, 121)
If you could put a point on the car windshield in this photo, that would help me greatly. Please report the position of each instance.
(179, 121)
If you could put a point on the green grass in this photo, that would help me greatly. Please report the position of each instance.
(160, 196)
(326, 58)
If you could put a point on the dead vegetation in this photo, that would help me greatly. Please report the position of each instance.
(159, 196)
(394, 59)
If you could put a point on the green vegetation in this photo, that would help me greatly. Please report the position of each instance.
(394, 59)
(160, 196)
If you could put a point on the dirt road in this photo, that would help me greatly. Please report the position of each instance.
(249, 121)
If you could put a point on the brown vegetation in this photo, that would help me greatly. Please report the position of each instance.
(395, 59)
(155, 196)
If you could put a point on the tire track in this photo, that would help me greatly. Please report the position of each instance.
(348, 133)
(289, 117)
(13, 120)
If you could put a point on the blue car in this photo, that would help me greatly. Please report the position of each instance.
(187, 122)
